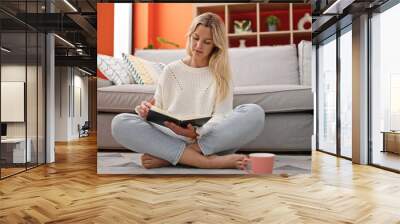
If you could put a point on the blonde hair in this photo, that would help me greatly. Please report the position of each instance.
(219, 61)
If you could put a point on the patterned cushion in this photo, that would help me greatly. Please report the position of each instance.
(115, 69)
(143, 71)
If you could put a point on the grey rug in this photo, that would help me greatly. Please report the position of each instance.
(129, 163)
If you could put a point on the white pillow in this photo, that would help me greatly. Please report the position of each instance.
(266, 65)
(305, 50)
(115, 69)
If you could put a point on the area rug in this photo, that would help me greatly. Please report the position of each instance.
(129, 163)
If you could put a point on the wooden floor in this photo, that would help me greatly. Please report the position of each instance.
(10, 171)
(387, 159)
(70, 191)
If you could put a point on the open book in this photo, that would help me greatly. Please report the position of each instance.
(159, 116)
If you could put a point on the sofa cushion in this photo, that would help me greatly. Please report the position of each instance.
(143, 71)
(276, 98)
(123, 98)
(115, 69)
(268, 65)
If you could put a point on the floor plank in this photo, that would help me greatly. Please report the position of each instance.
(70, 191)
(387, 159)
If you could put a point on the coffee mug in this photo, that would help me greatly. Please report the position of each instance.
(260, 163)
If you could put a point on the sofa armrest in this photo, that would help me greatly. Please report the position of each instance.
(103, 83)
(304, 53)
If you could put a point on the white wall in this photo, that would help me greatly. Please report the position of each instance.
(122, 29)
(80, 83)
(68, 83)
(62, 82)
(12, 100)
(14, 73)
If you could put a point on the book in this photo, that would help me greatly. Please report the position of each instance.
(159, 116)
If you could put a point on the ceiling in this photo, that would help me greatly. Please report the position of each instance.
(330, 15)
(72, 20)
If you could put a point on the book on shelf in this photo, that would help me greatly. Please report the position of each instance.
(159, 116)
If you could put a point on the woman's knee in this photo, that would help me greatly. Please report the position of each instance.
(121, 121)
(255, 112)
(256, 116)
(247, 125)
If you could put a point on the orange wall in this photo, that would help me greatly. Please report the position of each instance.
(105, 31)
(168, 20)
(105, 28)
(140, 24)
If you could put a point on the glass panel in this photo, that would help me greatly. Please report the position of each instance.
(394, 101)
(386, 89)
(41, 98)
(327, 96)
(31, 100)
(346, 94)
(13, 85)
(23, 82)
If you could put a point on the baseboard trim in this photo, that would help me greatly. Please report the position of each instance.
(300, 153)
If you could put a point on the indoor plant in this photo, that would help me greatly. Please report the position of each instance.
(162, 40)
(243, 26)
(272, 22)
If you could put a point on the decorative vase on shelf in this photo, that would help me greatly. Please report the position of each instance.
(306, 19)
(242, 43)
(243, 26)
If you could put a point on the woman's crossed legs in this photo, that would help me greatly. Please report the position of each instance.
(245, 123)
(192, 156)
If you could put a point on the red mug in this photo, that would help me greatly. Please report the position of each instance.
(261, 163)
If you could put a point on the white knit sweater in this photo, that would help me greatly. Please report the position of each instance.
(186, 90)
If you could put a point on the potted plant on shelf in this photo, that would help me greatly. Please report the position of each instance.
(243, 26)
(272, 22)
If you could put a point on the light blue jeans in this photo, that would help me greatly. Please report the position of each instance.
(237, 129)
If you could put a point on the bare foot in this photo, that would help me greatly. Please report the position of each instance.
(229, 161)
(242, 164)
(149, 162)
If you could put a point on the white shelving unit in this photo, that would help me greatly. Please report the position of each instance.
(257, 12)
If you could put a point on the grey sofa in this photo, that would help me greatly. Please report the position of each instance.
(267, 76)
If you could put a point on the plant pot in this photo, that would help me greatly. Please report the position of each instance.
(271, 28)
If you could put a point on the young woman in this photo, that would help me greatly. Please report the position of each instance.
(199, 84)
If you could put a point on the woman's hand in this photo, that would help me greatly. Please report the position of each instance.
(189, 131)
(143, 109)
